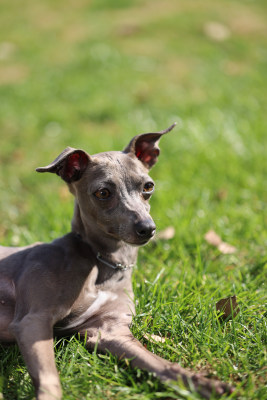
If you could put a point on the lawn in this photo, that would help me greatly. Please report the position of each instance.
(92, 74)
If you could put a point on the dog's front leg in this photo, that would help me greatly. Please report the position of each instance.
(34, 335)
(123, 344)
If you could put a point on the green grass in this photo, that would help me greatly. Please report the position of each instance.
(92, 75)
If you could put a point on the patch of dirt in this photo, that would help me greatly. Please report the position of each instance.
(234, 68)
(11, 74)
(247, 24)
(75, 33)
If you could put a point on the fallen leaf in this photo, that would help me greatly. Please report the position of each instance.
(14, 73)
(18, 156)
(166, 234)
(226, 306)
(128, 30)
(155, 338)
(217, 31)
(226, 248)
(229, 267)
(7, 49)
(234, 68)
(212, 238)
(221, 194)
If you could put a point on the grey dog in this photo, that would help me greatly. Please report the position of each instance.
(81, 282)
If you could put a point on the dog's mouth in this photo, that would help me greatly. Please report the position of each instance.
(133, 241)
(139, 241)
(138, 244)
(137, 237)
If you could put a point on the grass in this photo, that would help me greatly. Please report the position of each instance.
(92, 75)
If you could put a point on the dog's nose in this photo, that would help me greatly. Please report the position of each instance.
(145, 229)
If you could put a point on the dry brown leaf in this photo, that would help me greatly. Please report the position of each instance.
(15, 73)
(229, 267)
(155, 338)
(221, 194)
(212, 238)
(166, 234)
(226, 306)
(128, 30)
(234, 68)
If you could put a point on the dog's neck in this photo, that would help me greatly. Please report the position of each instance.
(112, 250)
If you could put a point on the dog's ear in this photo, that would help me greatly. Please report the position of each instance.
(145, 147)
(69, 165)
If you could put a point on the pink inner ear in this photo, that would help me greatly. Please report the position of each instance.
(76, 162)
(146, 153)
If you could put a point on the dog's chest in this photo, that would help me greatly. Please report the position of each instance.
(98, 300)
(95, 305)
(92, 300)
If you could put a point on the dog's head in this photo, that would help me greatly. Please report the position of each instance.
(113, 189)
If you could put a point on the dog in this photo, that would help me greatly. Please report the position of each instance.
(81, 282)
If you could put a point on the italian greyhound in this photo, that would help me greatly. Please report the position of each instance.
(81, 282)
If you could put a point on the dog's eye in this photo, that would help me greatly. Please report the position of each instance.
(148, 188)
(102, 194)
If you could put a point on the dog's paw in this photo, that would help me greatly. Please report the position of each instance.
(207, 387)
(196, 382)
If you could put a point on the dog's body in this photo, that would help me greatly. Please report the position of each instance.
(82, 281)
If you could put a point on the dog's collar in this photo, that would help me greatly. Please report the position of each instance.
(88, 252)
(117, 266)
